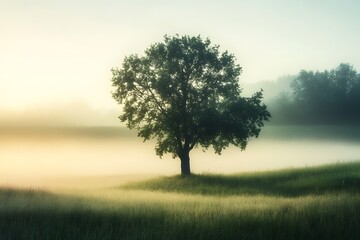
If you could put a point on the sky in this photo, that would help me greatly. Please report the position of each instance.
(56, 56)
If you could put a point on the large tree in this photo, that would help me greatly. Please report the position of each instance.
(185, 93)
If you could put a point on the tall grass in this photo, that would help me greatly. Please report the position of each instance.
(200, 207)
(333, 178)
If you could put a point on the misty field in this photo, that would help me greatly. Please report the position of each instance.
(308, 203)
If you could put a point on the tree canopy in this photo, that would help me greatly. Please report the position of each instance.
(326, 97)
(185, 93)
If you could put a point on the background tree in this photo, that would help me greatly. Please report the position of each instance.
(185, 93)
(328, 97)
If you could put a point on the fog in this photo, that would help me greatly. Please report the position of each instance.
(55, 76)
(29, 154)
(67, 113)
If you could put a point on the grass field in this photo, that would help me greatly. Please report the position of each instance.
(309, 203)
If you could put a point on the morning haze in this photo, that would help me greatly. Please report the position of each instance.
(260, 99)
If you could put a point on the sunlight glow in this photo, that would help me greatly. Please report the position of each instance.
(55, 71)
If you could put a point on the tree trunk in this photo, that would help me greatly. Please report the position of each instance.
(185, 164)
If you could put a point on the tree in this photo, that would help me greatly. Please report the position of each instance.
(186, 94)
(328, 97)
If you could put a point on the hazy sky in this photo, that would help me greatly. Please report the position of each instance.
(61, 52)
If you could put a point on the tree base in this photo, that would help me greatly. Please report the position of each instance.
(185, 165)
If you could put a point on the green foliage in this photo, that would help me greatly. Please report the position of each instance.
(185, 93)
(322, 97)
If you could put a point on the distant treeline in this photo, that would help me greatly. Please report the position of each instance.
(329, 97)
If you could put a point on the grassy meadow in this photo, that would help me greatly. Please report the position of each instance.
(307, 203)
